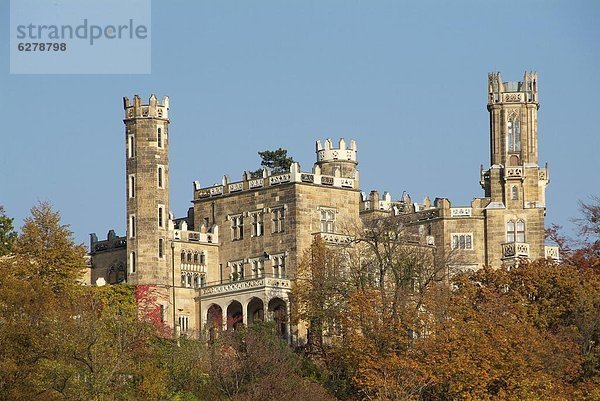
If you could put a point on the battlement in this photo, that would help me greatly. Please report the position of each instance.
(153, 109)
(343, 152)
(112, 241)
(295, 175)
(525, 91)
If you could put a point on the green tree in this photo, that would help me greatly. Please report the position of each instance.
(7, 233)
(275, 160)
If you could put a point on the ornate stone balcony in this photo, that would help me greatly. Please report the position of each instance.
(551, 252)
(513, 172)
(515, 250)
(258, 283)
(334, 239)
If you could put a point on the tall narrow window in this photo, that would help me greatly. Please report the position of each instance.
(279, 220)
(237, 271)
(131, 226)
(258, 267)
(130, 146)
(257, 224)
(510, 231)
(131, 186)
(161, 248)
(327, 220)
(160, 217)
(159, 138)
(237, 227)
(520, 231)
(514, 134)
(160, 176)
(132, 262)
(279, 266)
(462, 241)
(514, 192)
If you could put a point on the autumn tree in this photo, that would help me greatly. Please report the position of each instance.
(7, 233)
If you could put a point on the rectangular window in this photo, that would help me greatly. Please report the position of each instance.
(159, 138)
(162, 313)
(160, 176)
(161, 248)
(278, 220)
(184, 322)
(161, 214)
(257, 224)
(258, 267)
(237, 227)
(131, 186)
(327, 218)
(279, 266)
(237, 271)
(132, 262)
(130, 146)
(132, 226)
(462, 241)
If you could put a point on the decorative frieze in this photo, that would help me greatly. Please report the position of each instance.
(461, 211)
(257, 183)
(252, 284)
(236, 187)
(278, 179)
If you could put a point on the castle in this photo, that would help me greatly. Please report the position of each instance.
(232, 259)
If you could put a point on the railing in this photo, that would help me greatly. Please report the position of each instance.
(195, 236)
(460, 211)
(551, 252)
(266, 281)
(515, 250)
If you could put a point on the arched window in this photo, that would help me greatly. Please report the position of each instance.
(189, 257)
(514, 134)
(182, 256)
(515, 232)
(510, 231)
(520, 231)
(514, 192)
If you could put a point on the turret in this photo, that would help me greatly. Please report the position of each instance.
(340, 161)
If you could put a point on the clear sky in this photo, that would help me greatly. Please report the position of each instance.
(407, 80)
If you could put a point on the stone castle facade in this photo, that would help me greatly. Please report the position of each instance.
(232, 259)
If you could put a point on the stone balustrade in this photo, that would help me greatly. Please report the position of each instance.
(334, 239)
(461, 211)
(551, 252)
(248, 284)
(196, 236)
(515, 250)
(513, 172)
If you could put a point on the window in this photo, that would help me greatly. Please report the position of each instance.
(161, 248)
(161, 214)
(132, 262)
(279, 220)
(162, 313)
(520, 231)
(183, 279)
(160, 176)
(182, 256)
(196, 280)
(196, 258)
(462, 241)
(159, 138)
(237, 271)
(132, 226)
(202, 280)
(279, 266)
(257, 224)
(515, 232)
(203, 258)
(131, 186)
(237, 227)
(514, 192)
(184, 323)
(130, 146)
(514, 134)
(327, 220)
(258, 267)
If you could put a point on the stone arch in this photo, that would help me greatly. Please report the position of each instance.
(278, 313)
(255, 310)
(235, 315)
(214, 321)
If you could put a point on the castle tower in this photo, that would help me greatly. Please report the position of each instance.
(515, 184)
(339, 162)
(147, 181)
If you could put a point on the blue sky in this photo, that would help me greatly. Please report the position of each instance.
(407, 80)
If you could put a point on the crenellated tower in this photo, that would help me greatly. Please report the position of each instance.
(515, 183)
(338, 162)
(147, 183)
